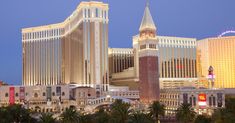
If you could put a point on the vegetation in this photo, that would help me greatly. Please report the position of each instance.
(118, 112)
(157, 109)
(15, 114)
(70, 115)
(102, 116)
(185, 113)
(140, 117)
(202, 119)
(47, 118)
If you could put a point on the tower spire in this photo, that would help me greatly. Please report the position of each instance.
(147, 20)
(147, 3)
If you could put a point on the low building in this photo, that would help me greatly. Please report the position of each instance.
(57, 98)
(204, 101)
(41, 98)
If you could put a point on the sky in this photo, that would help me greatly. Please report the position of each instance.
(183, 18)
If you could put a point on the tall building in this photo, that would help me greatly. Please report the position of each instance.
(177, 63)
(120, 59)
(218, 53)
(74, 51)
(121, 68)
(147, 57)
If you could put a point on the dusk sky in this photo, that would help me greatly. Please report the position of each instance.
(183, 18)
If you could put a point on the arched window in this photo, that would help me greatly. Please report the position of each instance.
(35, 95)
(6, 94)
(43, 94)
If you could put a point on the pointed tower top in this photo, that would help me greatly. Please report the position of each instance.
(147, 20)
(147, 3)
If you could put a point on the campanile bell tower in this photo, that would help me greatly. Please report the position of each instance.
(148, 59)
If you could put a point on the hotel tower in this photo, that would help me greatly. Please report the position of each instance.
(74, 51)
(146, 51)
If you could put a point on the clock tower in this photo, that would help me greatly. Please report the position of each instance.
(147, 56)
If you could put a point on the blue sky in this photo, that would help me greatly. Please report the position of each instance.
(184, 18)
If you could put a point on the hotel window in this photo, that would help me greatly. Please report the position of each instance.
(142, 46)
(102, 13)
(152, 46)
(17, 94)
(89, 14)
(96, 12)
(105, 14)
(43, 94)
(85, 12)
(35, 95)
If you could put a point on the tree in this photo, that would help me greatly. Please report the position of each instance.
(101, 116)
(140, 117)
(4, 115)
(47, 118)
(157, 109)
(70, 116)
(229, 104)
(18, 114)
(202, 119)
(120, 111)
(85, 118)
(185, 113)
(223, 116)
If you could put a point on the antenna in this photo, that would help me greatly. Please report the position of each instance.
(147, 2)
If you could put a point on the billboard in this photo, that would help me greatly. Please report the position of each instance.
(48, 93)
(22, 93)
(185, 98)
(12, 95)
(202, 99)
(58, 91)
(219, 99)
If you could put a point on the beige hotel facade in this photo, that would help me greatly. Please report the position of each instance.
(217, 52)
(74, 51)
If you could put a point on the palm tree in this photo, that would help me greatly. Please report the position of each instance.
(86, 118)
(101, 116)
(157, 109)
(4, 115)
(19, 114)
(140, 117)
(202, 119)
(120, 111)
(47, 118)
(70, 116)
(185, 113)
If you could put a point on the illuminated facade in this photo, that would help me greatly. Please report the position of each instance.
(218, 53)
(74, 51)
(203, 101)
(177, 60)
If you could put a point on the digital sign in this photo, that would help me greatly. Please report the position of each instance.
(202, 99)
(22, 93)
(12, 95)
(48, 90)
